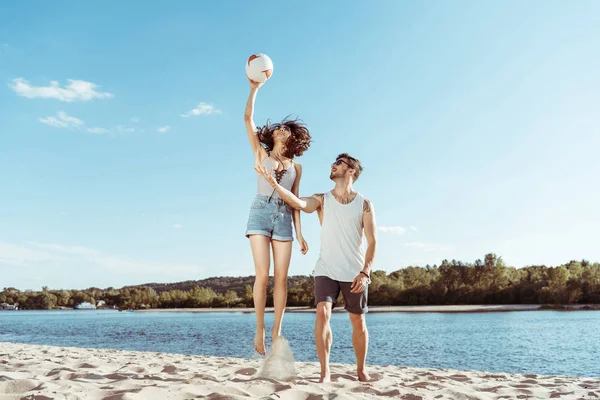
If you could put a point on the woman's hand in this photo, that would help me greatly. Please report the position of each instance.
(303, 244)
(262, 170)
(254, 85)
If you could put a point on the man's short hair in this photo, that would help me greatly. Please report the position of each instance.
(354, 162)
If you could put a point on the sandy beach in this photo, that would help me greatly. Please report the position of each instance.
(46, 372)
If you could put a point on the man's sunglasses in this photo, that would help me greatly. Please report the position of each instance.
(340, 161)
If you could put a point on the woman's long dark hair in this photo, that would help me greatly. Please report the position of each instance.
(298, 142)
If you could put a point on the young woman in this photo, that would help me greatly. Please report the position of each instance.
(269, 224)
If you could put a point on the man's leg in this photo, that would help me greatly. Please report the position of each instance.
(360, 342)
(324, 338)
(356, 305)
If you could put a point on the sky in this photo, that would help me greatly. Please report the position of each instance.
(124, 158)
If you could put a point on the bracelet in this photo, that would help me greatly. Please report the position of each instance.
(365, 274)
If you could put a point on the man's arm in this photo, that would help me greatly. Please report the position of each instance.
(306, 204)
(370, 227)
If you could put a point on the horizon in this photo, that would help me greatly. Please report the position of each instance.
(124, 155)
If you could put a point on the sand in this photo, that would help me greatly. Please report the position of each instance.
(47, 372)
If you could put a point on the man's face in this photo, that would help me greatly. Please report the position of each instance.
(339, 169)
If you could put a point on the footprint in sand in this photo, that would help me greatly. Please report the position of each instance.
(336, 377)
(558, 395)
(460, 378)
(375, 376)
(86, 365)
(521, 386)
(116, 377)
(494, 377)
(418, 385)
(246, 371)
(409, 396)
(205, 377)
(169, 369)
(589, 385)
(58, 371)
(315, 397)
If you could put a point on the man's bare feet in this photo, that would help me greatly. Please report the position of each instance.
(325, 377)
(259, 341)
(363, 376)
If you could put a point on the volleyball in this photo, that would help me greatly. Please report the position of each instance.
(259, 67)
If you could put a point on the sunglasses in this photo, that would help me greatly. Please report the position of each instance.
(340, 161)
(281, 126)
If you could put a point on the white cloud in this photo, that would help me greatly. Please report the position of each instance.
(98, 131)
(134, 119)
(428, 246)
(201, 109)
(63, 120)
(18, 255)
(413, 228)
(57, 255)
(76, 90)
(392, 229)
(164, 129)
(125, 129)
(177, 226)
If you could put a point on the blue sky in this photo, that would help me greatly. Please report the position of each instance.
(477, 124)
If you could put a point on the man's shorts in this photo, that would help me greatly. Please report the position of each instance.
(327, 289)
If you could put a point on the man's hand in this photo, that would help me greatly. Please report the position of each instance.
(303, 244)
(262, 170)
(359, 284)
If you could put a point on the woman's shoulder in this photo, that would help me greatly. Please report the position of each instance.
(297, 166)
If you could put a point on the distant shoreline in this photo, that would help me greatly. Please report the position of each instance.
(401, 309)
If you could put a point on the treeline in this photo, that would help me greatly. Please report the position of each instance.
(487, 281)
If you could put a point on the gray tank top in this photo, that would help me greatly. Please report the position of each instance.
(342, 254)
(287, 180)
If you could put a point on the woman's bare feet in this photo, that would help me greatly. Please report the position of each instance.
(259, 341)
(275, 333)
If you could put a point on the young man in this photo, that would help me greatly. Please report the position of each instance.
(343, 265)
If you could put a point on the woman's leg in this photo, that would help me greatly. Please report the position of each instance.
(282, 253)
(262, 259)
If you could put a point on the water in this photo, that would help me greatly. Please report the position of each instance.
(541, 342)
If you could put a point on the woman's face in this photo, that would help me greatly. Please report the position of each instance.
(281, 133)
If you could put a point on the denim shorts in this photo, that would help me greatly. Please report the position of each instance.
(270, 217)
